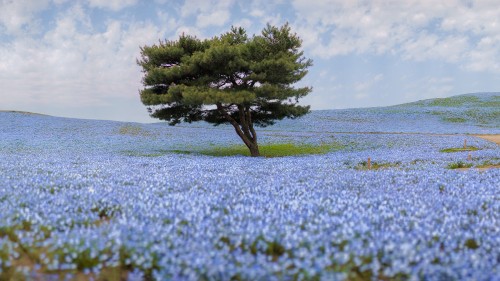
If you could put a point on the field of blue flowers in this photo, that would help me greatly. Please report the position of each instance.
(104, 200)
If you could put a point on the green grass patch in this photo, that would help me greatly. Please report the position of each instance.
(273, 150)
(459, 165)
(266, 150)
(454, 101)
(482, 116)
(454, 119)
(458, 101)
(459, 149)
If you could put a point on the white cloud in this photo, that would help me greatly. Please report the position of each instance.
(184, 29)
(480, 57)
(71, 67)
(208, 12)
(215, 18)
(257, 12)
(114, 5)
(430, 46)
(450, 31)
(244, 22)
(76, 60)
(429, 87)
(17, 16)
(369, 83)
(261, 9)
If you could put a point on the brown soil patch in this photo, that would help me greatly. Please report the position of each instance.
(482, 169)
(492, 138)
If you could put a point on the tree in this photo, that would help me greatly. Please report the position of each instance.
(232, 78)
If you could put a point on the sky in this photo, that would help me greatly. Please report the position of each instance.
(77, 58)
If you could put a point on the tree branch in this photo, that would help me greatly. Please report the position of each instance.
(244, 122)
(250, 124)
(233, 81)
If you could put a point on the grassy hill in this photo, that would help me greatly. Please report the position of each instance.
(481, 109)
(466, 100)
(472, 113)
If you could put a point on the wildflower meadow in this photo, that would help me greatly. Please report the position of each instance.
(406, 192)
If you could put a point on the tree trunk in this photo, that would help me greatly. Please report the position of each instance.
(254, 150)
(251, 142)
(244, 129)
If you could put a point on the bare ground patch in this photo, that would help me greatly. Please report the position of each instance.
(481, 169)
(492, 138)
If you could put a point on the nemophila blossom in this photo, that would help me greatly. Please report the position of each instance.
(96, 195)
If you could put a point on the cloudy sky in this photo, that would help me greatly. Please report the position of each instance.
(76, 58)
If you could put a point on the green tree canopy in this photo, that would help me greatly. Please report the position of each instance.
(232, 78)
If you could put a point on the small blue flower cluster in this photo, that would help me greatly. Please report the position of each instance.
(85, 196)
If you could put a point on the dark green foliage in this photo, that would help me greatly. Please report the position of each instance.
(459, 165)
(231, 79)
(275, 250)
(471, 244)
(442, 188)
